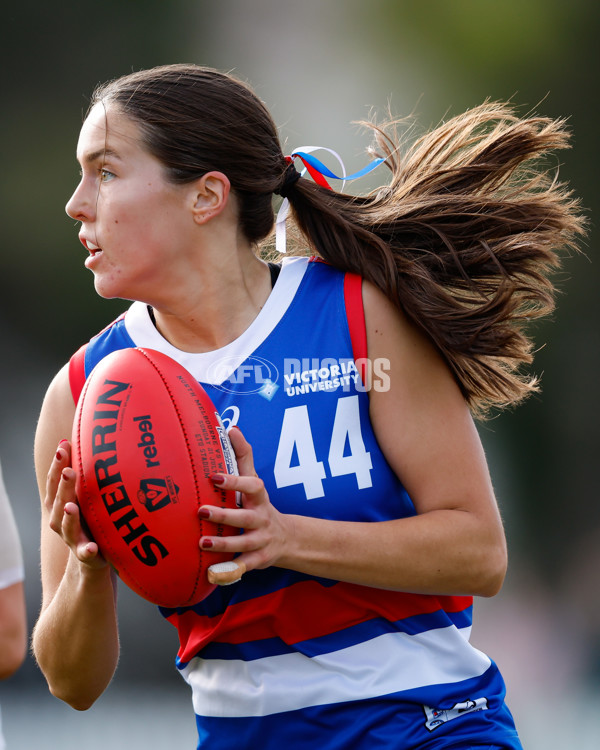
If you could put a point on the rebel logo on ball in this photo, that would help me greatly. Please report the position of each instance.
(147, 440)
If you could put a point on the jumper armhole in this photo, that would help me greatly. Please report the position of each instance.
(355, 314)
(77, 372)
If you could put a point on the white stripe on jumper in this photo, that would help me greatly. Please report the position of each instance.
(387, 664)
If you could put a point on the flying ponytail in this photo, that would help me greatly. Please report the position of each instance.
(464, 239)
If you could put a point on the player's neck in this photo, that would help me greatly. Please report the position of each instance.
(216, 307)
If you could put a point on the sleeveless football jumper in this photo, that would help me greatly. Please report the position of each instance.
(282, 659)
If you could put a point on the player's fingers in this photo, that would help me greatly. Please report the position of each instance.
(65, 492)
(243, 452)
(252, 489)
(65, 447)
(248, 485)
(226, 573)
(253, 549)
(237, 517)
(59, 462)
(74, 535)
(233, 571)
(71, 524)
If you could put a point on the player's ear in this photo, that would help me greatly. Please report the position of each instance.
(210, 196)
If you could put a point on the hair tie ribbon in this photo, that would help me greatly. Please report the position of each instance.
(318, 171)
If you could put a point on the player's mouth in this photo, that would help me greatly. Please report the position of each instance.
(93, 249)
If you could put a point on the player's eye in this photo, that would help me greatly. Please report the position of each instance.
(105, 175)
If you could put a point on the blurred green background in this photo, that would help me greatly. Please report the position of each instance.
(318, 66)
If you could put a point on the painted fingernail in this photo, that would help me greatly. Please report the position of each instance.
(206, 543)
(203, 513)
(59, 454)
(217, 478)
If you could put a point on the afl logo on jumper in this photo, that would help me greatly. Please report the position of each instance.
(236, 374)
(154, 494)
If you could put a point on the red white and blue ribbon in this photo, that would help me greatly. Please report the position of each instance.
(320, 174)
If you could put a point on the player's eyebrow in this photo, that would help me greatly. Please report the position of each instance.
(101, 152)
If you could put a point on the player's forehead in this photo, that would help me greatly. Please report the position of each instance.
(106, 132)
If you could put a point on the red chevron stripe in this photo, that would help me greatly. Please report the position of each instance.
(303, 611)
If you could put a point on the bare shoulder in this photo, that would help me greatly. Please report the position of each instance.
(421, 419)
(417, 364)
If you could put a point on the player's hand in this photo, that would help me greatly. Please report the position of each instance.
(266, 530)
(63, 509)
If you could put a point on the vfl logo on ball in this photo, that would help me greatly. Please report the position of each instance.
(155, 494)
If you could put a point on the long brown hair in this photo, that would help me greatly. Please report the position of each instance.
(464, 238)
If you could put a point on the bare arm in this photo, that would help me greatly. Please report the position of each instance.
(13, 629)
(13, 619)
(75, 640)
(454, 545)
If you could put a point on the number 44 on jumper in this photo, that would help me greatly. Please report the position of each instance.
(296, 437)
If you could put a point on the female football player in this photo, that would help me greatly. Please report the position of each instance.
(348, 376)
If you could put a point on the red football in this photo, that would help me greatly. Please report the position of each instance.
(146, 437)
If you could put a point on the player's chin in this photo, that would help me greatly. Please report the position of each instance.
(103, 289)
(111, 285)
